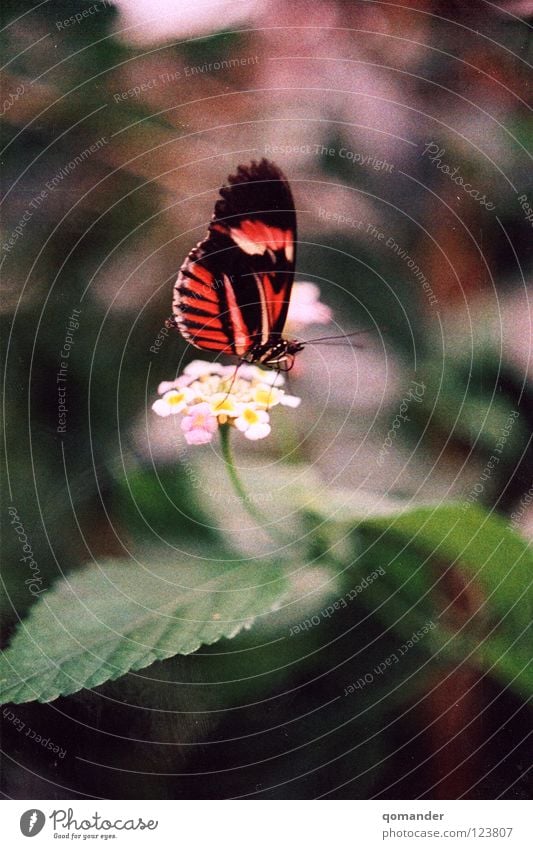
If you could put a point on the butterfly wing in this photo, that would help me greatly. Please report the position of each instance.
(233, 289)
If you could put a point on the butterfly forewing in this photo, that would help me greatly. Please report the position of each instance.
(233, 290)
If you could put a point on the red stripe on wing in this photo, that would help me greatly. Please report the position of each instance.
(197, 303)
(207, 311)
(241, 339)
(255, 237)
(277, 302)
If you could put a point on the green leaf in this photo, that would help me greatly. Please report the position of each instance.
(457, 401)
(147, 502)
(417, 547)
(488, 553)
(116, 616)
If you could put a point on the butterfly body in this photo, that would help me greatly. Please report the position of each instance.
(275, 353)
(232, 292)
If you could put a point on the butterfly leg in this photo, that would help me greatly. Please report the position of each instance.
(278, 371)
(233, 379)
(286, 364)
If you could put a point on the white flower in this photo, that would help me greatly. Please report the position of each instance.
(305, 307)
(201, 368)
(174, 401)
(266, 396)
(290, 401)
(166, 386)
(271, 377)
(224, 404)
(253, 423)
(178, 383)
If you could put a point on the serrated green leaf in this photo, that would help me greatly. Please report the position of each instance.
(117, 616)
(417, 545)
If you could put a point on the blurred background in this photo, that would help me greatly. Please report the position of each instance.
(120, 122)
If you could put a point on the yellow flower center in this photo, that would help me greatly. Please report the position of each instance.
(175, 398)
(250, 416)
(223, 404)
(267, 396)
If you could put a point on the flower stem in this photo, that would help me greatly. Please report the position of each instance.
(238, 485)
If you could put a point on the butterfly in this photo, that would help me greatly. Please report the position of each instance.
(233, 290)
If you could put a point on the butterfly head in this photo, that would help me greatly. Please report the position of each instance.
(275, 354)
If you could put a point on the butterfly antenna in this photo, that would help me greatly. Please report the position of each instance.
(341, 336)
(343, 344)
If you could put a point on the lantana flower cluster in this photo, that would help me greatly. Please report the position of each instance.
(208, 395)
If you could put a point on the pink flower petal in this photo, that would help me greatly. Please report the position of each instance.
(199, 425)
(198, 436)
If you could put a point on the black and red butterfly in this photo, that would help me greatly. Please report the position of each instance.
(233, 290)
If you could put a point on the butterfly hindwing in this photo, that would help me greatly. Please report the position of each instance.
(233, 289)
